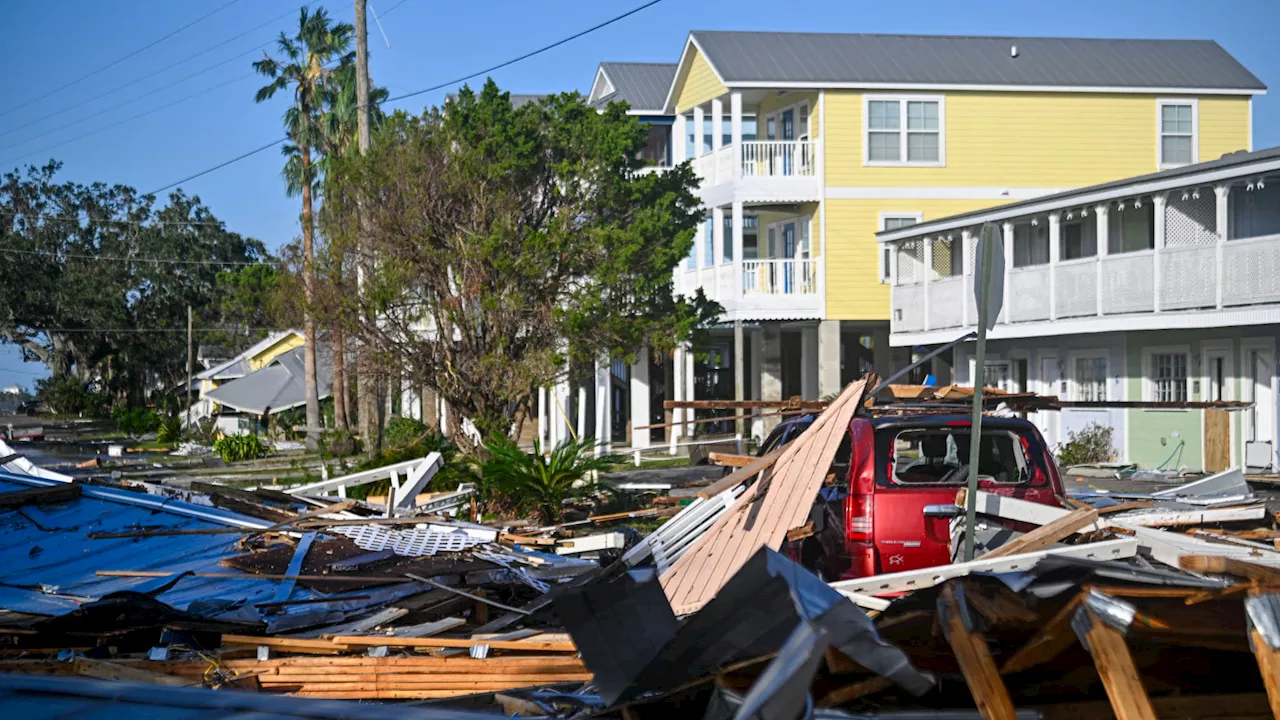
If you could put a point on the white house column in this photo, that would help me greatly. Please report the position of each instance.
(828, 357)
(640, 399)
(1158, 202)
(1006, 234)
(699, 132)
(966, 240)
(737, 248)
(678, 135)
(1221, 193)
(739, 374)
(542, 417)
(928, 276)
(1102, 214)
(582, 412)
(717, 135)
(604, 406)
(1055, 249)
(677, 394)
(754, 376)
(560, 411)
(770, 370)
(735, 137)
(689, 393)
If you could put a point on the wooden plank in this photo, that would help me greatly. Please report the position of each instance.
(1046, 535)
(358, 640)
(1201, 707)
(730, 460)
(298, 645)
(310, 514)
(1220, 565)
(741, 475)
(1119, 675)
(103, 670)
(853, 691)
(40, 495)
(1053, 638)
(979, 669)
(789, 404)
(1269, 666)
(1217, 440)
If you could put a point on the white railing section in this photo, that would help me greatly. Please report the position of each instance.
(779, 277)
(1233, 273)
(777, 158)
(402, 498)
(704, 166)
(724, 164)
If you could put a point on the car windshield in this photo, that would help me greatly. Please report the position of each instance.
(941, 456)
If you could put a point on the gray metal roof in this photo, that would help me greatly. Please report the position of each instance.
(788, 57)
(278, 386)
(1227, 162)
(643, 86)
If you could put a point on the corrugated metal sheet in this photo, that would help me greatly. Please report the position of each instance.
(643, 86)
(278, 386)
(779, 501)
(968, 60)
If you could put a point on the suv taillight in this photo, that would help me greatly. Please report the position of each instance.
(861, 525)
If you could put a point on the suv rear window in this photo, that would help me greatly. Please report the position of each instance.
(940, 456)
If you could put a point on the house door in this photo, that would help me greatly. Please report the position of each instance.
(1049, 421)
(788, 133)
(1259, 428)
(788, 252)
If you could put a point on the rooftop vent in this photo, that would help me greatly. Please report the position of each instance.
(1013, 51)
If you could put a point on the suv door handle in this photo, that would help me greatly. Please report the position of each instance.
(943, 511)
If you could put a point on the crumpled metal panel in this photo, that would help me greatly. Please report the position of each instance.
(1264, 614)
(413, 542)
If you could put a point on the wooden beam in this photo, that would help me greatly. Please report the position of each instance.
(742, 474)
(1269, 666)
(988, 689)
(1219, 565)
(730, 460)
(104, 670)
(853, 691)
(1119, 675)
(794, 403)
(40, 495)
(1046, 535)
(1054, 637)
(456, 643)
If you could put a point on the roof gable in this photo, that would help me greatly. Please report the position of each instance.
(848, 59)
(643, 86)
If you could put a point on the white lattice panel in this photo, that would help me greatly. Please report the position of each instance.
(1188, 278)
(1076, 289)
(943, 258)
(908, 308)
(1192, 221)
(1251, 271)
(910, 261)
(413, 542)
(946, 302)
(971, 255)
(1127, 283)
(1028, 294)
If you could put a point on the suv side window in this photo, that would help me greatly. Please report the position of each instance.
(940, 456)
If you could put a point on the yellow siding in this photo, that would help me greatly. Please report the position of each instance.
(772, 102)
(1224, 126)
(1057, 140)
(698, 84)
(854, 291)
(283, 345)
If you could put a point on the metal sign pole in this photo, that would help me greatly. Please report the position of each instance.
(988, 246)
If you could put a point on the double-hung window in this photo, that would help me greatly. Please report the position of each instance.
(1090, 378)
(905, 130)
(1178, 124)
(1169, 377)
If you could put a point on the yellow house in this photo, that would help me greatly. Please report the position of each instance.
(252, 358)
(808, 144)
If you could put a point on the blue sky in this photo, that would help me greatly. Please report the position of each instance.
(53, 42)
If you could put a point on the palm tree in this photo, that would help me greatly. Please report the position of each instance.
(306, 66)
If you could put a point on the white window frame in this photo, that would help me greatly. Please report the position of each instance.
(886, 272)
(1074, 383)
(902, 101)
(1148, 369)
(1195, 130)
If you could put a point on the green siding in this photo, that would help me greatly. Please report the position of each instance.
(1152, 438)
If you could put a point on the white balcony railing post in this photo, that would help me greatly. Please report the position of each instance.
(1102, 214)
(738, 285)
(1158, 203)
(735, 136)
(928, 277)
(1055, 245)
(966, 235)
(717, 136)
(1007, 232)
(1221, 193)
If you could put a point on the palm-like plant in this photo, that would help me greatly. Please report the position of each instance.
(542, 481)
(305, 66)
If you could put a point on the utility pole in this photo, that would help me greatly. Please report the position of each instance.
(191, 361)
(370, 424)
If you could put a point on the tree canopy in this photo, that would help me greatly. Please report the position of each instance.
(506, 244)
(82, 291)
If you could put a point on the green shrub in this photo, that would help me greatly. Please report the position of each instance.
(68, 396)
(1091, 445)
(239, 447)
(170, 430)
(135, 421)
(537, 481)
(403, 432)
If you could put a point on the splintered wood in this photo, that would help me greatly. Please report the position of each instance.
(778, 502)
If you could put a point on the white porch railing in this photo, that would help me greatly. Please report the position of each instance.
(1128, 282)
(946, 302)
(779, 277)
(724, 163)
(1028, 293)
(1251, 271)
(1076, 291)
(704, 167)
(777, 158)
(1187, 277)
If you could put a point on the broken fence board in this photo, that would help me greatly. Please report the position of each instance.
(1115, 666)
(1046, 535)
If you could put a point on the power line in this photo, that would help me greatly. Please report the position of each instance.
(121, 59)
(159, 330)
(499, 66)
(72, 218)
(165, 69)
(137, 259)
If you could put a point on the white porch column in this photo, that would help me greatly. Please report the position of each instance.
(928, 276)
(737, 248)
(689, 377)
(582, 412)
(1055, 250)
(828, 357)
(809, 362)
(604, 406)
(1102, 214)
(678, 135)
(677, 394)
(966, 240)
(699, 132)
(770, 370)
(754, 376)
(735, 137)
(1006, 233)
(1221, 192)
(739, 375)
(640, 399)
(1158, 202)
(717, 134)
(560, 411)
(542, 417)
(717, 244)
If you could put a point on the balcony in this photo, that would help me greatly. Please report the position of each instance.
(760, 171)
(759, 289)
(1180, 259)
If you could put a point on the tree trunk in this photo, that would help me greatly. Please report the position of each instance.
(340, 378)
(309, 318)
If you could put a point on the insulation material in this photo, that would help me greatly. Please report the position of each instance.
(415, 542)
(780, 500)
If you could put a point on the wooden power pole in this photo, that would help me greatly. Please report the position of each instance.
(191, 361)
(370, 427)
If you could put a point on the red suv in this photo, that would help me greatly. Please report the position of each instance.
(890, 506)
